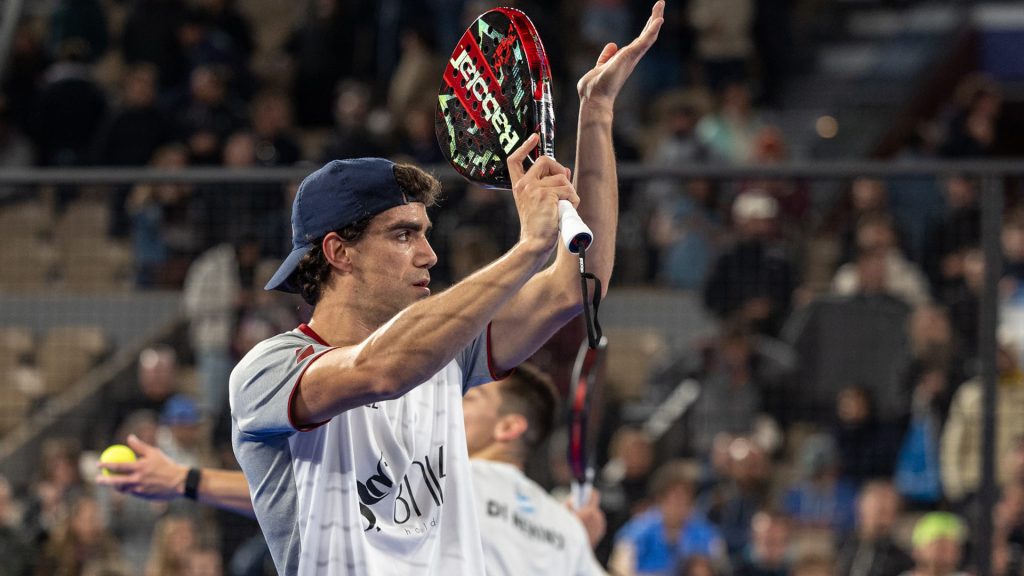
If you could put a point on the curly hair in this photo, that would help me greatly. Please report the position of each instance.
(314, 271)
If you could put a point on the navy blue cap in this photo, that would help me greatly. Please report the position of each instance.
(341, 193)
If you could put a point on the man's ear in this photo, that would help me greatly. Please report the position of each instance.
(337, 252)
(510, 427)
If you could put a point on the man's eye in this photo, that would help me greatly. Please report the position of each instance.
(403, 236)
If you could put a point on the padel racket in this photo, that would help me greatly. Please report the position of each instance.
(497, 91)
(584, 408)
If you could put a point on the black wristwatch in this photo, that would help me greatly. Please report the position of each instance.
(192, 483)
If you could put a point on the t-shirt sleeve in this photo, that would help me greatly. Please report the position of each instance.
(262, 384)
(475, 362)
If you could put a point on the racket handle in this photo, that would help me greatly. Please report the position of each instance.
(580, 491)
(574, 230)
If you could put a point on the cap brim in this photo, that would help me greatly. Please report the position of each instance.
(282, 279)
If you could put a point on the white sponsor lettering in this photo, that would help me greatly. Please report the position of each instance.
(476, 84)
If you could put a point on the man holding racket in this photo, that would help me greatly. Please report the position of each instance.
(349, 429)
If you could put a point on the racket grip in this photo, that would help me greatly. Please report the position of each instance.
(580, 491)
(574, 230)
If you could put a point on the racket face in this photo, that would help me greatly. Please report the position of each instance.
(488, 100)
(582, 392)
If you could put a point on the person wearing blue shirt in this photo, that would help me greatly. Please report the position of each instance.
(657, 541)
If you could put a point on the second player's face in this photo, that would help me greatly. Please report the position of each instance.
(391, 263)
(480, 411)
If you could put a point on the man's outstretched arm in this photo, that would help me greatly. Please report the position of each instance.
(154, 476)
(553, 297)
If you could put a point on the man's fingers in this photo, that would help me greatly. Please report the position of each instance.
(609, 50)
(518, 156)
(119, 467)
(138, 446)
(546, 166)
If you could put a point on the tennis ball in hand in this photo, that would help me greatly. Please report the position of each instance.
(116, 454)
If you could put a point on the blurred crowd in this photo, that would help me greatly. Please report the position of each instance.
(837, 428)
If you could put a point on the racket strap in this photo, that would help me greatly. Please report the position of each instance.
(590, 308)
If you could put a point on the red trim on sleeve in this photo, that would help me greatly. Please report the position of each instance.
(490, 359)
(295, 388)
(312, 334)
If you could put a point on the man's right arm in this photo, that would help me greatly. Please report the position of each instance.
(422, 339)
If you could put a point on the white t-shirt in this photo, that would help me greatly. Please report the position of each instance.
(379, 490)
(524, 529)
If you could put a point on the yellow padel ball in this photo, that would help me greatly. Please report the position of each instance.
(116, 454)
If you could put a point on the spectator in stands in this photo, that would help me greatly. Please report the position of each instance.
(84, 20)
(973, 130)
(218, 286)
(23, 73)
(352, 136)
(209, 47)
(730, 396)
(623, 481)
(417, 140)
(868, 198)
(673, 142)
(962, 436)
(964, 305)
(1013, 255)
(414, 83)
(273, 128)
(80, 542)
(871, 550)
(180, 434)
(328, 46)
(918, 474)
(150, 34)
(659, 540)
(935, 346)
(1008, 523)
(938, 540)
(69, 109)
(156, 381)
(793, 196)
(208, 116)
(15, 151)
(18, 556)
(880, 268)
(866, 446)
(686, 232)
(58, 484)
(224, 17)
(820, 499)
(173, 544)
(743, 473)
(138, 127)
(730, 131)
(233, 212)
(949, 238)
(769, 550)
(754, 280)
(724, 40)
(149, 207)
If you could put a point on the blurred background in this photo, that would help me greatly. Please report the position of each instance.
(820, 258)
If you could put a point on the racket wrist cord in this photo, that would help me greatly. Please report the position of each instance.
(590, 307)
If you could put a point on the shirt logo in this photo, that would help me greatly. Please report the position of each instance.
(303, 353)
(424, 476)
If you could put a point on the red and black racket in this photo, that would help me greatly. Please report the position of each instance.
(495, 93)
(584, 407)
